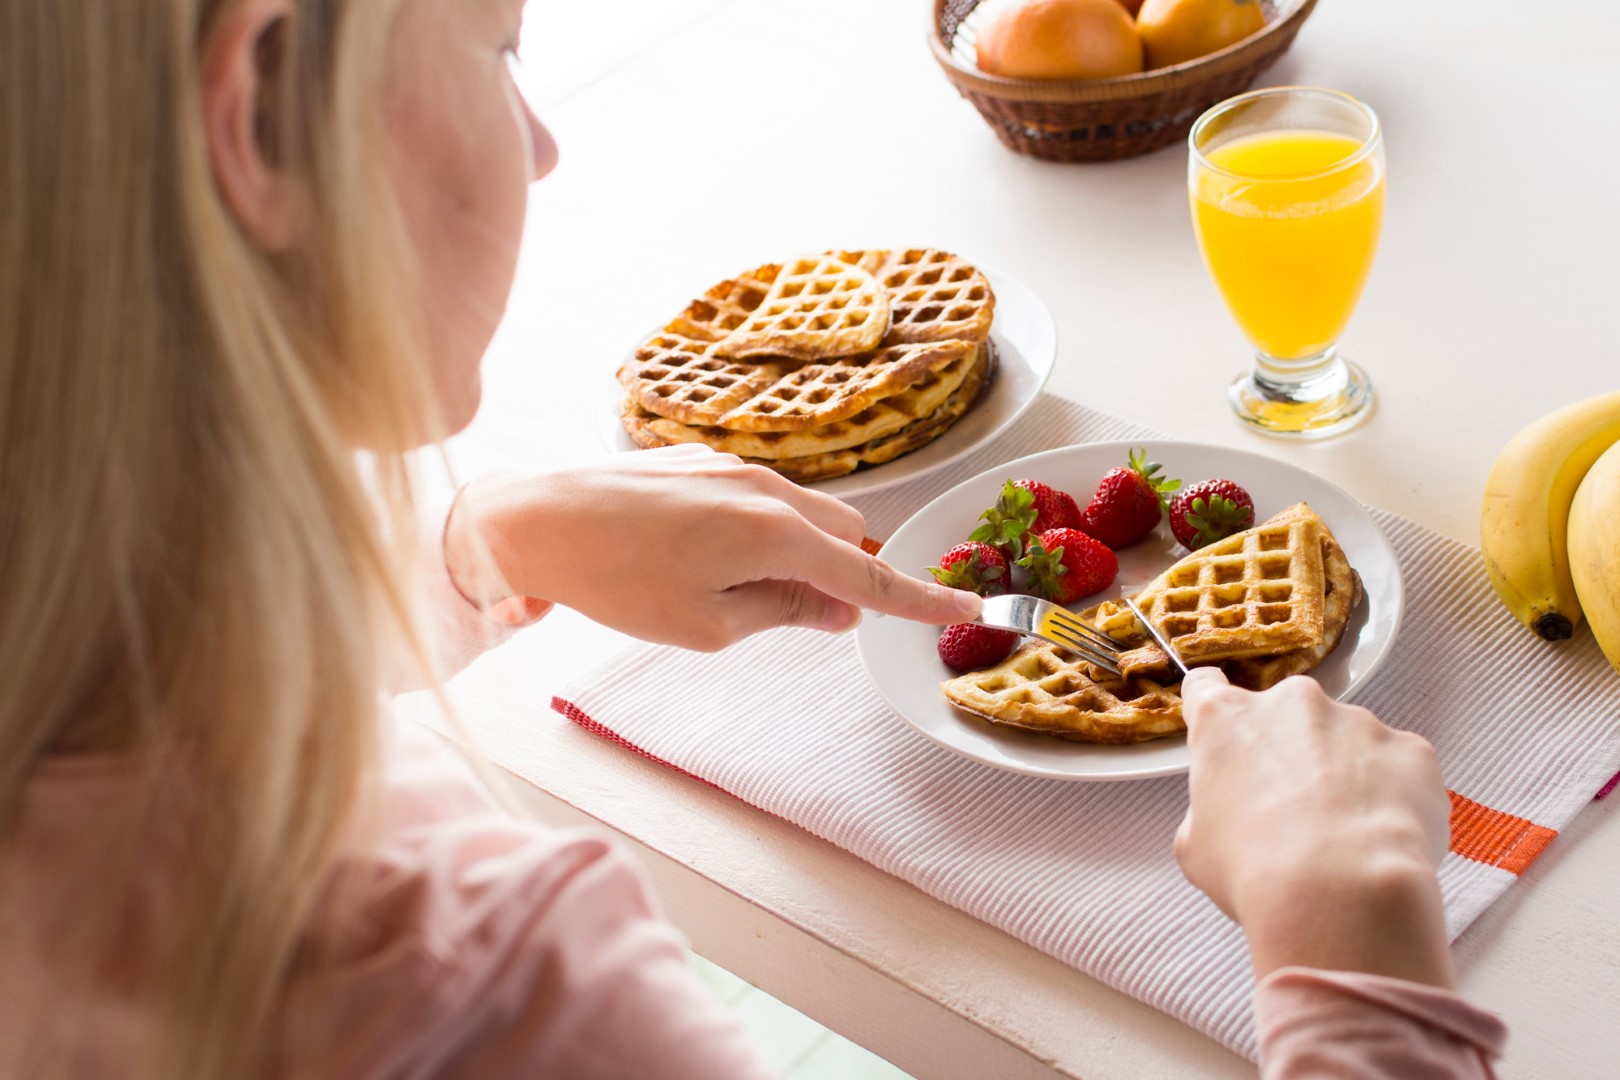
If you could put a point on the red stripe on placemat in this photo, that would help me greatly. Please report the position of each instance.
(596, 727)
(871, 546)
(579, 716)
(1496, 838)
(1604, 791)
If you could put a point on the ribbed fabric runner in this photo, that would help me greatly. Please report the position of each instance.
(1527, 733)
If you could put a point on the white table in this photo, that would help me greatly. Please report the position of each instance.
(718, 135)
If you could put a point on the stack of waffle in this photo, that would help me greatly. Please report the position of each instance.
(1264, 604)
(818, 366)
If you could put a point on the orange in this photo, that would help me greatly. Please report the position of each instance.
(1174, 31)
(1060, 39)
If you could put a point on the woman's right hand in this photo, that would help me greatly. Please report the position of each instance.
(1317, 828)
(689, 547)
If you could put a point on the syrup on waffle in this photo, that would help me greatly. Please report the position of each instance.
(817, 307)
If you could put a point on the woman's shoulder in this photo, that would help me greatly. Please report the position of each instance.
(496, 946)
(437, 859)
(478, 934)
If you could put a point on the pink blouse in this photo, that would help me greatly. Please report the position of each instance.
(1346, 1024)
(494, 947)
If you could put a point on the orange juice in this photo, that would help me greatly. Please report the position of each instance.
(1289, 238)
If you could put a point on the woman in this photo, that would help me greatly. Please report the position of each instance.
(251, 252)
(243, 238)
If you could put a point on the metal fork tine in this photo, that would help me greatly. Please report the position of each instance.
(1034, 617)
(1075, 624)
(1082, 650)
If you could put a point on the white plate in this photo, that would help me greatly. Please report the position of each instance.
(903, 663)
(1026, 342)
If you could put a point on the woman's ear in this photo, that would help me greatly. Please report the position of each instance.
(243, 93)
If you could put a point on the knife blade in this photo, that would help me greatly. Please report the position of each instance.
(1158, 639)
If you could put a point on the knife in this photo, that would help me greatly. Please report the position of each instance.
(1158, 638)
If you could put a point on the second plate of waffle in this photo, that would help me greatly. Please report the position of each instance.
(904, 666)
(770, 366)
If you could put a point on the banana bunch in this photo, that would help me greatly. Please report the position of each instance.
(1532, 536)
(1594, 550)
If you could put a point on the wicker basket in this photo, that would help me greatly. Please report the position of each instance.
(1107, 119)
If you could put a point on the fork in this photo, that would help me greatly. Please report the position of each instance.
(1034, 617)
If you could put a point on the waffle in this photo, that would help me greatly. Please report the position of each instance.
(1042, 688)
(914, 436)
(730, 370)
(882, 417)
(811, 466)
(817, 307)
(1341, 595)
(1258, 592)
(725, 307)
(683, 380)
(933, 295)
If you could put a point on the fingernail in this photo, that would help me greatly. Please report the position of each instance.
(840, 618)
(971, 605)
(1195, 679)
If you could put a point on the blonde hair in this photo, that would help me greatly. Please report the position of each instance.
(193, 562)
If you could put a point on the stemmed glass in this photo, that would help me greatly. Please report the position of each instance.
(1287, 191)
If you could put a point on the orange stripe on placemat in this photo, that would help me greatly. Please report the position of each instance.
(1478, 832)
(871, 546)
(1496, 838)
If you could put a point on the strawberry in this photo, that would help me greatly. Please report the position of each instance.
(1066, 564)
(1208, 511)
(974, 566)
(970, 646)
(1128, 502)
(1007, 522)
(1054, 509)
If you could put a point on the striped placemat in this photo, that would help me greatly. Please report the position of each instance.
(786, 721)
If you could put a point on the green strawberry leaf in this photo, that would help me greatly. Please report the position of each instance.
(1163, 486)
(1045, 568)
(1006, 523)
(1217, 518)
(971, 574)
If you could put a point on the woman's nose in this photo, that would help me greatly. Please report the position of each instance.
(543, 148)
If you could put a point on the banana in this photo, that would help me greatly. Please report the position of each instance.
(1524, 520)
(1594, 550)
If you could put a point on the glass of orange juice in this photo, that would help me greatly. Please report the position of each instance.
(1287, 189)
